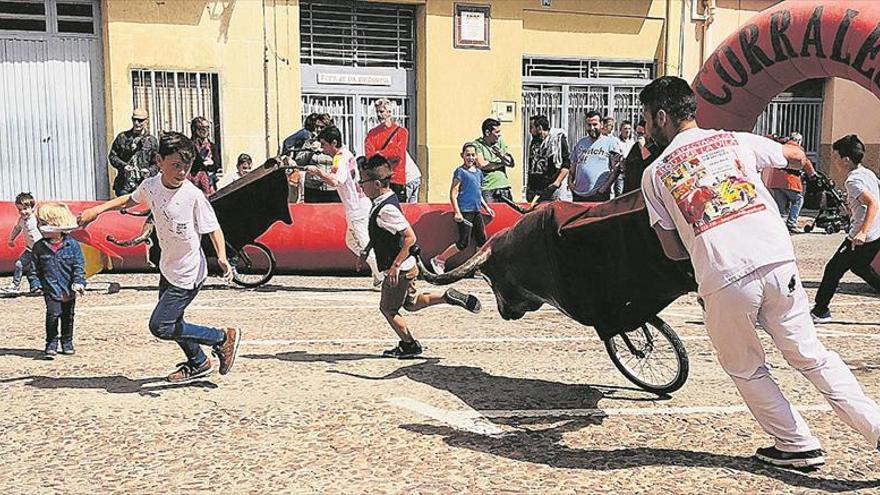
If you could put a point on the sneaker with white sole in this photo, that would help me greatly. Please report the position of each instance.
(438, 265)
(805, 459)
(821, 317)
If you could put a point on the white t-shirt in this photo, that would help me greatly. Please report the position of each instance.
(181, 217)
(392, 220)
(412, 170)
(707, 186)
(857, 182)
(357, 204)
(28, 228)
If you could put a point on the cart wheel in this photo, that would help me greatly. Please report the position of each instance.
(651, 356)
(253, 265)
(808, 228)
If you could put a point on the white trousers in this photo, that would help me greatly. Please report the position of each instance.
(356, 238)
(774, 297)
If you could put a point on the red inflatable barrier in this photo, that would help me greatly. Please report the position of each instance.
(784, 45)
(314, 243)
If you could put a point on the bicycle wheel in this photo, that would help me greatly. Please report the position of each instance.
(651, 356)
(253, 265)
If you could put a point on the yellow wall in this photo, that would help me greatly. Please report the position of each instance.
(216, 36)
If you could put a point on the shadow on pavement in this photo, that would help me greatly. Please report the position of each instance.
(114, 384)
(546, 447)
(24, 353)
(849, 288)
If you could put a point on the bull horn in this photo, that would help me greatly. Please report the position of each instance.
(465, 270)
(143, 237)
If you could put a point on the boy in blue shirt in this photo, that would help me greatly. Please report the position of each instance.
(60, 265)
(466, 202)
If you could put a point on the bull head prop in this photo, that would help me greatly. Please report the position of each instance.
(601, 265)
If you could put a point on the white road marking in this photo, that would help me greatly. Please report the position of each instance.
(477, 421)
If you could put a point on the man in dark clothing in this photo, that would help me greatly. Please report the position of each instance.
(549, 161)
(131, 154)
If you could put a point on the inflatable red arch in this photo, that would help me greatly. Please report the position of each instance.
(782, 46)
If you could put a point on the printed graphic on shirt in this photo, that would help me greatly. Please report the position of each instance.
(708, 182)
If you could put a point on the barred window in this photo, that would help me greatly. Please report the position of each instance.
(174, 98)
(357, 34)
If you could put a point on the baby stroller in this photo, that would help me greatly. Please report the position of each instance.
(833, 214)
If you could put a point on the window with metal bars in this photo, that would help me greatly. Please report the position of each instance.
(174, 98)
(357, 34)
(587, 68)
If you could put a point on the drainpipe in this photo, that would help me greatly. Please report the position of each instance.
(266, 82)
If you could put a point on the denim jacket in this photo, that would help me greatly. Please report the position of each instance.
(59, 270)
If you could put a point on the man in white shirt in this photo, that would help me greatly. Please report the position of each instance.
(863, 240)
(705, 199)
(181, 215)
(343, 176)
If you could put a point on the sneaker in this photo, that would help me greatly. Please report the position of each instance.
(186, 372)
(823, 317)
(776, 457)
(466, 301)
(227, 351)
(438, 265)
(51, 349)
(404, 350)
(67, 349)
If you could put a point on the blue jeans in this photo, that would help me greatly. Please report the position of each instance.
(791, 200)
(167, 323)
(25, 265)
(63, 311)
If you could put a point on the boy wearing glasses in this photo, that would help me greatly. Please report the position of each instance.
(132, 155)
(391, 237)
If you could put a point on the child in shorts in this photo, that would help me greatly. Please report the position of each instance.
(466, 203)
(26, 225)
(391, 237)
(181, 214)
(60, 265)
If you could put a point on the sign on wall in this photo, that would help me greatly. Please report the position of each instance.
(471, 26)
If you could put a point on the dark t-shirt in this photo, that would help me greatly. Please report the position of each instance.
(545, 162)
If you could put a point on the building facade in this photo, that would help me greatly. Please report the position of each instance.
(73, 70)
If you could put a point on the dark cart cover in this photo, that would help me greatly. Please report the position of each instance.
(628, 277)
(249, 206)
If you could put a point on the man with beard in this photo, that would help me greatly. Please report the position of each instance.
(548, 161)
(594, 163)
(744, 264)
(132, 155)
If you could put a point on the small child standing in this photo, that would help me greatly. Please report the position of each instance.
(60, 265)
(391, 237)
(182, 214)
(466, 202)
(27, 225)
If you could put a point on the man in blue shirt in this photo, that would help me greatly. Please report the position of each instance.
(592, 160)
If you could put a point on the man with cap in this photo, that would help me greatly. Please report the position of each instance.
(132, 154)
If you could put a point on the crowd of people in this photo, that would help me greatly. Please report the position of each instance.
(715, 198)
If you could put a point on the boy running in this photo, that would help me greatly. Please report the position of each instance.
(466, 202)
(391, 236)
(182, 215)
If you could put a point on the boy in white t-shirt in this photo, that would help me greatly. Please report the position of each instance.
(705, 199)
(181, 214)
(26, 225)
(344, 177)
(863, 240)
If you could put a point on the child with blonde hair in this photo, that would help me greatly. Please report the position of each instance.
(60, 267)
